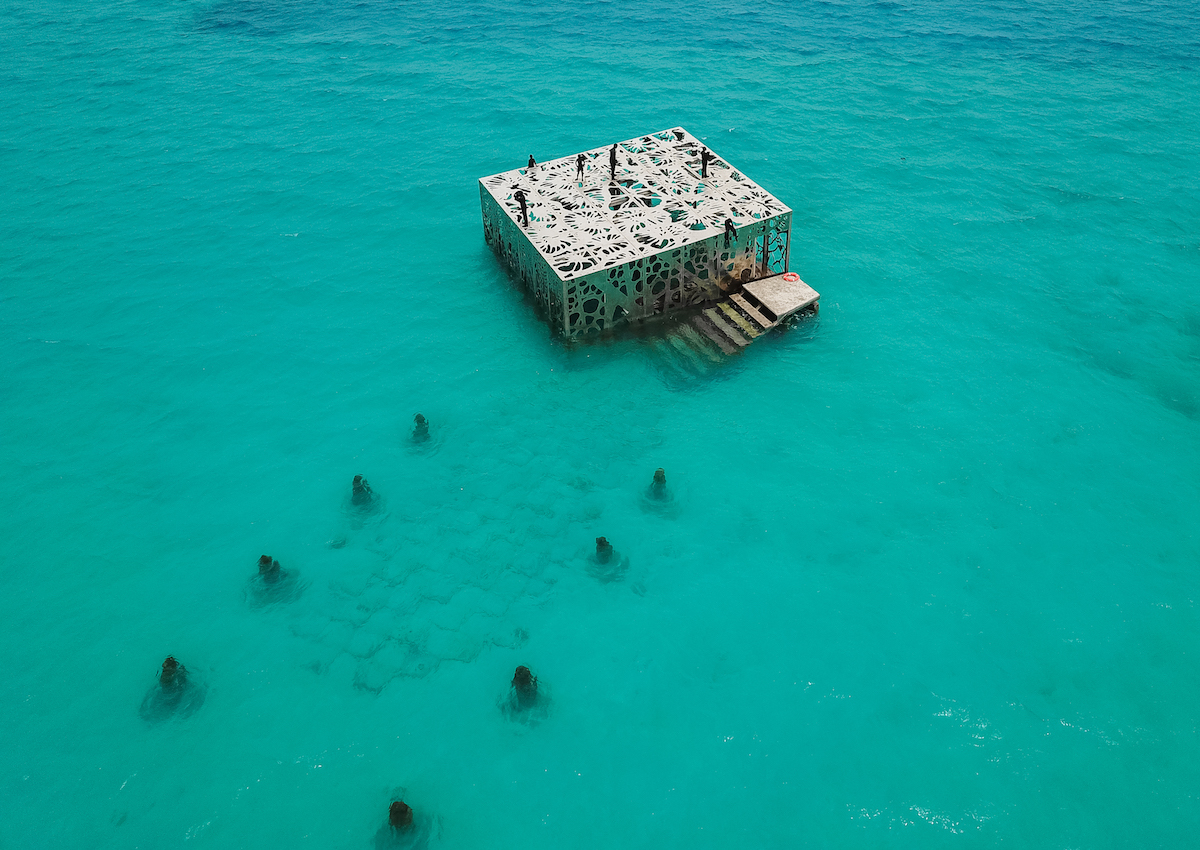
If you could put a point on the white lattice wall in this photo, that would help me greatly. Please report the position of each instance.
(599, 252)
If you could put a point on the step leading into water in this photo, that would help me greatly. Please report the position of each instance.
(699, 343)
(739, 320)
(702, 324)
(690, 354)
(751, 311)
(735, 336)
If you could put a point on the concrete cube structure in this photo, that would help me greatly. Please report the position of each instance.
(599, 252)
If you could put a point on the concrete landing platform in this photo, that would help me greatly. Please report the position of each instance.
(782, 295)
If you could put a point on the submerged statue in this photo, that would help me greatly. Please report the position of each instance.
(403, 829)
(658, 487)
(525, 703)
(420, 429)
(272, 584)
(173, 676)
(175, 695)
(361, 493)
(607, 565)
(524, 685)
(400, 815)
(268, 569)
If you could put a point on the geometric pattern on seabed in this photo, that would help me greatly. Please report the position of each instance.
(393, 618)
(603, 249)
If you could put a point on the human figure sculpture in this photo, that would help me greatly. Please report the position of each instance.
(658, 487)
(580, 161)
(730, 230)
(173, 695)
(532, 163)
(705, 157)
(360, 492)
(524, 685)
(400, 815)
(268, 569)
(612, 162)
(519, 197)
(604, 550)
(420, 429)
(173, 675)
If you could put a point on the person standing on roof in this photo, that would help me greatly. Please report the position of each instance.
(705, 156)
(612, 162)
(579, 163)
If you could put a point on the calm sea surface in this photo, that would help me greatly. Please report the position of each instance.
(931, 571)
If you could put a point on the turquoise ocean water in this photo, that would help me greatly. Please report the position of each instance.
(930, 575)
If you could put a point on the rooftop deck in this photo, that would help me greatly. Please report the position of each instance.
(658, 199)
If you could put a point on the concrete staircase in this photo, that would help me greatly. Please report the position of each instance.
(735, 322)
(698, 343)
(701, 342)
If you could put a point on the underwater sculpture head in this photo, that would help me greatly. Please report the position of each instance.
(173, 695)
(658, 487)
(268, 568)
(400, 814)
(604, 550)
(173, 674)
(421, 428)
(525, 689)
(360, 491)
(524, 681)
